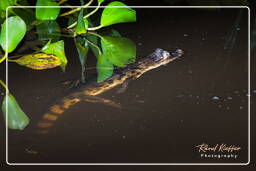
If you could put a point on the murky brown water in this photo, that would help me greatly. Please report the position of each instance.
(200, 98)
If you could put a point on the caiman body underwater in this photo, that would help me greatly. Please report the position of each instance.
(88, 92)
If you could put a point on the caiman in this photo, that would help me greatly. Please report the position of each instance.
(89, 92)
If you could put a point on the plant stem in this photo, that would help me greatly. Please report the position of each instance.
(95, 28)
(3, 58)
(35, 23)
(56, 34)
(95, 34)
(62, 1)
(12, 57)
(92, 12)
(86, 16)
(11, 60)
(97, 47)
(76, 9)
(4, 85)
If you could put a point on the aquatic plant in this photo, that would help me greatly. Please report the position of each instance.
(110, 48)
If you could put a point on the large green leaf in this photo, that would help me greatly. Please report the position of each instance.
(16, 32)
(47, 13)
(16, 119)
(82, 24)
(116, 15)
(119, 50)
(48, 30)
(104, 68)
(28, 15)
(6, 3)
(56, 49)
(82, 49)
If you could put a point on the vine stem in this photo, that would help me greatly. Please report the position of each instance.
(97, 47)
(56, 34)
(86, 16)
(4, 85)
(95, 28)
(95, 34)
(62, 1)
(12, 60)
(3, 58)
(76, 9)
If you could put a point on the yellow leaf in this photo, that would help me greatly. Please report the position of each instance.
(39, 61)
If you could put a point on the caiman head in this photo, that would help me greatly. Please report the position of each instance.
(159, 57)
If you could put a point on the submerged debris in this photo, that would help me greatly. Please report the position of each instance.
(229, 98)
(180, 95)
(31, 151)
(236, 92)
(215, 98)
(140, 101)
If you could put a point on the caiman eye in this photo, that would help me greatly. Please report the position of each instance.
(165, 54)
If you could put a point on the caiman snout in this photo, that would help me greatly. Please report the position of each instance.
(177, 53)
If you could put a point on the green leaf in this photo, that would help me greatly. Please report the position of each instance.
(119, 50)
(16, 32)
(82, 24)
(104, 68)
(117, 15)
(16, 119)
(48, 30)
(82, 49)
(100, 1)
(27, 15)
(47, 13)
(38, 61)
(95, 40)
(56, 49)
(6, 3)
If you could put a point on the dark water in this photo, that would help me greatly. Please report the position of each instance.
(200, 98)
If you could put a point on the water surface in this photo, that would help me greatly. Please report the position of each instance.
(199, 98)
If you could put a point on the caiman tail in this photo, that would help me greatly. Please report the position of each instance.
(89, 92)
